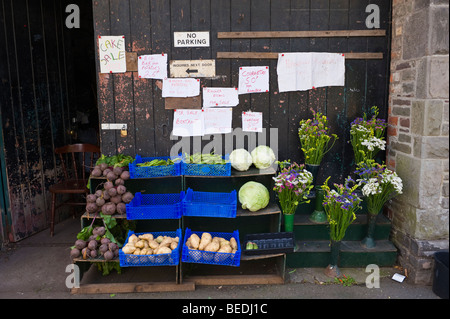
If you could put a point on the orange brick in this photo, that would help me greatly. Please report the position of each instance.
(393, 120)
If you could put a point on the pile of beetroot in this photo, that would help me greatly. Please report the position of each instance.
(113, 196)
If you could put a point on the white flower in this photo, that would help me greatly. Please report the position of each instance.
(373, 143)
(371, 188)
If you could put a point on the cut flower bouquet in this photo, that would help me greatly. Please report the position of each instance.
(367, 136)
(315, 138)
(292, 186)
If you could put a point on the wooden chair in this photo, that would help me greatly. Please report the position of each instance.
(75, 177)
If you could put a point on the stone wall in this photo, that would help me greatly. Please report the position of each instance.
(418, 132)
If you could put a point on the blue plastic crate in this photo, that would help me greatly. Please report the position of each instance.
(153, 171)
(172, 259)
(209, 257)
(206, 169)
(206, 204)
(155, 206)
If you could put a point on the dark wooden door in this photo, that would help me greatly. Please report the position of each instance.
(148, 26)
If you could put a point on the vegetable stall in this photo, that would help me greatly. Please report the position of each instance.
(226, 163)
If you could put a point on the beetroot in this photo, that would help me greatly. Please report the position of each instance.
(119, 181)
(112, 192)
(109, 208)
(96, 172)
(107, 185)
(121, 208)
(111, 176)
(127, 197)
(116, 199)
(121, 189)
(91, 208)
(125, 175)
(91, 198)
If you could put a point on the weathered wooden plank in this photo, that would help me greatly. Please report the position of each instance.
(235, 280)
(274, 55)
(123, 82)
(332, 163)
(105, 82)
(240, 21)
(132, 288)
(301, 34)
(279, 102)
(161, 35)
(141, 43)
(298, 101)
(260, 17)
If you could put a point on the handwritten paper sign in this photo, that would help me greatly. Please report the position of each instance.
(253, 79)
(305, 71)
(252, 122)
(111, 50)
(180, 87)
(152, 66)
(188, 123)
(213, 97)
(218, 120)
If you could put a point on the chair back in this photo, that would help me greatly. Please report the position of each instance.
(73, 159)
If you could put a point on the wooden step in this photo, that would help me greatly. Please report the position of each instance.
(304, 229)
(316, 253)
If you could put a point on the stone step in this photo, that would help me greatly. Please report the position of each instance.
(304, 229)
(316, 253)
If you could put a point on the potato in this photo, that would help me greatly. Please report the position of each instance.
(159, 239)
(128, 249)
(153, 244)
(204, 241)
(233, 243)
(137, 251)
(194, 241)
(147, 237)
(225, 249)
(140, 243)
(212, 246)
(166, 242)
(223, 241)
(173, 245)
(133, 238)
(177, 239)
(144, 251)
(163, 250)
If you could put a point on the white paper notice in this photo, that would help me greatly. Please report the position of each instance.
(305, 71)
(252, 122)
(152, 66)
(188, 123)
(111, 50)
(180, 87)
(253, 79)
(218, 120)
(213, 97)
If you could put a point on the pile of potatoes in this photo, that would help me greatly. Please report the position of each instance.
(146, 244)
(210, 246)
(114, 195)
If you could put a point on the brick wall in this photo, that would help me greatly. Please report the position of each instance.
(418, 132)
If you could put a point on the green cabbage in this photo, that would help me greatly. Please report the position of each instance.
(263, 157)
(241, 160)
(254, 196)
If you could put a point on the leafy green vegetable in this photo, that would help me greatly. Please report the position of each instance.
(118, 160)
(199, 158)
(254, 196)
